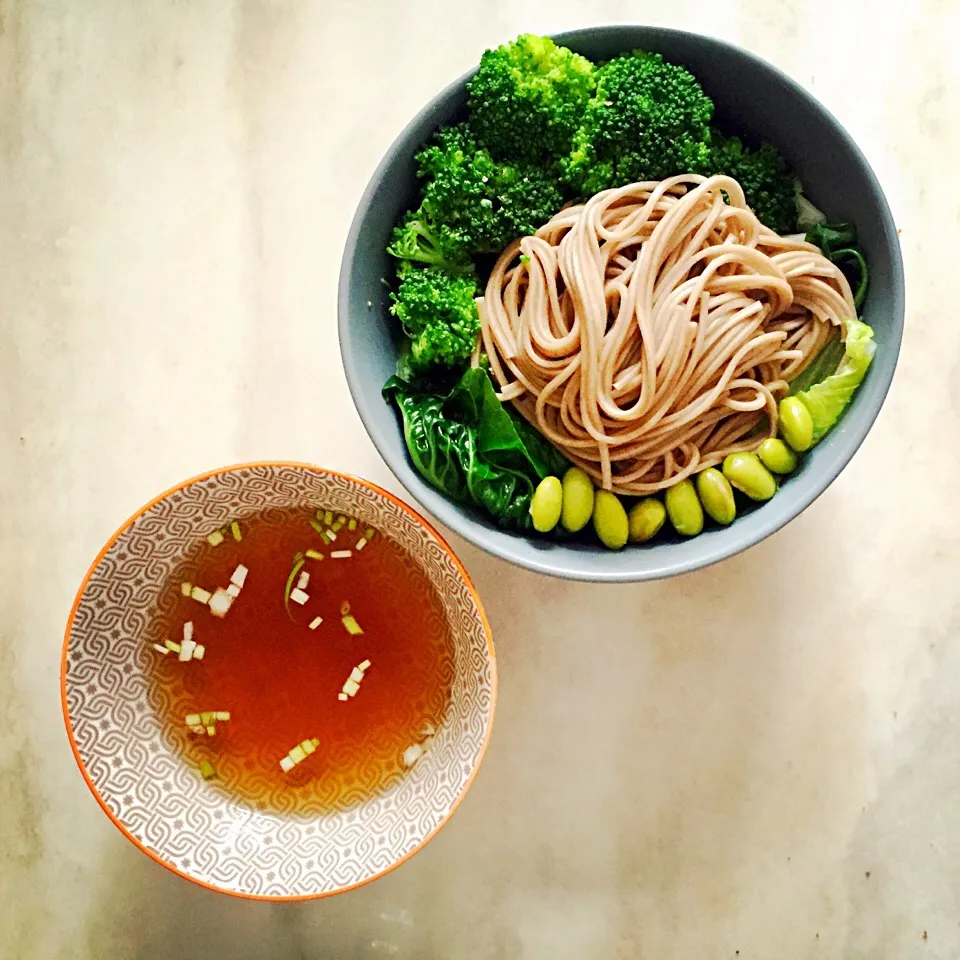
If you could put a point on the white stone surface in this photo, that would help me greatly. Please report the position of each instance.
(760, 761)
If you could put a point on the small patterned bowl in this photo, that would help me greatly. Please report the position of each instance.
(140, 777)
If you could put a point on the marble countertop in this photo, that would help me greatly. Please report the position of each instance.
(760, 760)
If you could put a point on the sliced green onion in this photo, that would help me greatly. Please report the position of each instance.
(331, 533)
(188, 630)
(317, 526)
(161, 649)
(298, 564)
(350, 624)
(200, 595)
(235, 530)
(369, 533)
(233, 591)
(192, 719)
(360, 544)
(221, 715)
(206, 716)
(220, 603)
(337, 526)
(352, 523)
(339, 554)
(298, 596)
(172, 645)
(315, 622)
(351, 687)
(412, 754)
(185, 588)
(198, 651)
(328, 517)
(314, 554)
(211, 730)
(307, 747)
(206, 770)
(186, 650)
(239, 576)
(342, 696)
(364, 666)
(215, 538)
(286, 764)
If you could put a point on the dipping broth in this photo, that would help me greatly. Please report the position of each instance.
(304, 658)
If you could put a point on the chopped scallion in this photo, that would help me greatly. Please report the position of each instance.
(215, 538)
(317, 526)
(185, 588)
(340, 554)
(412, 754)
(298, 596)
(297, 566)
(161, 649)
(239, 576)
(192, 719)
(235, 530)
(198, 651)
(206, 770)
(360, 544)
(352, 523)
(314, 554)
(172, 645)
(220, 603)
(188, 630)
(200, 595)
(328, 517)
(351, 626)
(315, 622)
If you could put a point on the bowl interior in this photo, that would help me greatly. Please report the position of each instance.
(134, 763)
(753, 99)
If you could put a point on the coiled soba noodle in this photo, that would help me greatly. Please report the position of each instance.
(650, 331)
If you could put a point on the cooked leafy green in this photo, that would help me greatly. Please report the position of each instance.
(472, 448)
(838, 241)
(827, 399)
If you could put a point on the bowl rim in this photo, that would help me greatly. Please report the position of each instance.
(473, 531)
(313, 468)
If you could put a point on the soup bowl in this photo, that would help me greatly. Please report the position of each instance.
(753, 99)
(138, 765)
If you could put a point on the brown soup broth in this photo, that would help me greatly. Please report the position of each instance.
(280, 680)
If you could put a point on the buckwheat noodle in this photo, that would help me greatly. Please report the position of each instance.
(650, 331)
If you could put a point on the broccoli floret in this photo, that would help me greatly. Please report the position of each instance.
(528, 97)
(417, 240)
(483, 204)
(768, 184)
(437, 311)
(647, 120)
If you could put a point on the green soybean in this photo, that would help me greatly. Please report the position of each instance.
(749, 476)
(577, 506)
(716, 495)
(683, 508)
(546, 504)
(796, 424)
(610, 520)
(645, 519)
(775, 455)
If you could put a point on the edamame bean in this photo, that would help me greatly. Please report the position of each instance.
(716, 495)
(645, 519)
(610, 520)
(796, 424)
(546, 504)
(683, 508)
(577, 506)
(749, 476)
(775, 455)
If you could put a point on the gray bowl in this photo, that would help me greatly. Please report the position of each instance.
(752, 98)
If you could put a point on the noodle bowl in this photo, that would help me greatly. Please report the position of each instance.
(650, 331)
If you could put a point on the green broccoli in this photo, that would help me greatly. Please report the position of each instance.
(437, 311)
(528, 97)
(483, 205)
(417, 240)
(647, 120)
(768, 184)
